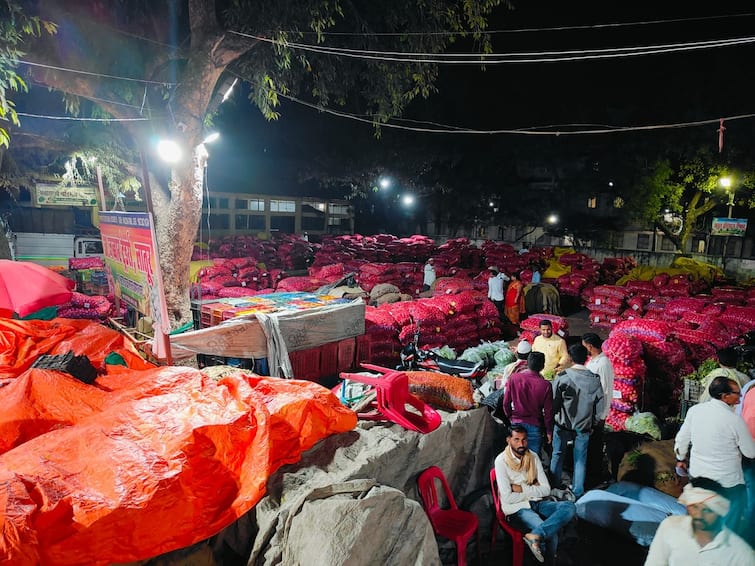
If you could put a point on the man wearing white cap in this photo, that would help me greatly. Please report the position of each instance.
(523, 350)
(699, 538)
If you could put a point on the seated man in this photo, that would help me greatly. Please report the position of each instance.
(701, 537)
(523, 487)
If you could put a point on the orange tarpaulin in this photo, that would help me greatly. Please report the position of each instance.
(142, 462)
(23, 341)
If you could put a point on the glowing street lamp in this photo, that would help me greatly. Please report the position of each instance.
(385, 183)
(407, 200)
(552, 219)
(169, 151)
(214, 136)
(726, 183)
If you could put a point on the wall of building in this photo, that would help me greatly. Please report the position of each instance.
(234, 213)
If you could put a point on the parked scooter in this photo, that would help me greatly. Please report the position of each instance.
(415, 358)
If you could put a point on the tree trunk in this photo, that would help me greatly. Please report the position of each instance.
(176, 222)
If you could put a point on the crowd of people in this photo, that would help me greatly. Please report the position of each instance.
(714, 449)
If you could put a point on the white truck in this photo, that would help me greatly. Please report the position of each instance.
(53, 249)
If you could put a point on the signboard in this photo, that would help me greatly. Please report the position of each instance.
(729, 227)
(132, 264)
(59, 195)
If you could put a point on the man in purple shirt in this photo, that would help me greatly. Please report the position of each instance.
(528, 401)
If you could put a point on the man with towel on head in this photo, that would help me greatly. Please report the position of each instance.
(701, 537)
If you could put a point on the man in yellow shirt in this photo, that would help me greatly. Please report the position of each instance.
(554, 347)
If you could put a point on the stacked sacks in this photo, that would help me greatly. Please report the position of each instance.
(532, 324)
(371, 274)
(625, 354)
(459, 321)
(606, 305)
(614, 268)
(379, 344)
(86, 307)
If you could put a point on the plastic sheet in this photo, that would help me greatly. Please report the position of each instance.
(23, 341)
(165, 459)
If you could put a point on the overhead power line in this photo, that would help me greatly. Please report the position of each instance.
(506, 58)
(94, 74)
(521, 30)
(79, 119)
(532, 131)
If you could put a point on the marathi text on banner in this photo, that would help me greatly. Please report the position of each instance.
(131, 260)
(729, 227)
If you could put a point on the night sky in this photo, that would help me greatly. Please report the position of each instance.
(267, 157)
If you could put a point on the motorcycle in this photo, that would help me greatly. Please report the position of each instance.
(415, 358)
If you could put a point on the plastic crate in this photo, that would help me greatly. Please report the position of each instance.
(306, 364)
(328, 359)
(346, 354)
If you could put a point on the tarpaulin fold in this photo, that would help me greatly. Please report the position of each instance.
(141, 462)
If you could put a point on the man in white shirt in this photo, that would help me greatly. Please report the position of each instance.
(699, 538)
(523, 485)
(727, 359)
(719, 439)
(495, 290)
(600, 365)
(429, 275)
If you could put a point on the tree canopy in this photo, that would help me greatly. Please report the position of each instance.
(163, 69)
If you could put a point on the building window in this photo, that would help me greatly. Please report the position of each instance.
(312, 223)
(256, 204)
(220, 221)
(256, 222)
(701, 246)
(338, 208)
(283, 223)
(592, 202)
(643, 241)
(316, 205)
(282, 206)
(222, 203)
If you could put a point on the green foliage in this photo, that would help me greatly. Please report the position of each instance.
(15, 28)
(703, 369)
(381, 89)
(686, 182)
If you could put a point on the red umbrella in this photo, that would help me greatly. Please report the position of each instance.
(27, 287)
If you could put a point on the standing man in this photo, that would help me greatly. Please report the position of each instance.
(554, 347)
(495, 290)
(727, 359)
(514, 299)
(700, 537)
(523, 350)
(578, 404)
(719, 439)
(523, 485)
(528, 402)
(429, 275)
(598, 364)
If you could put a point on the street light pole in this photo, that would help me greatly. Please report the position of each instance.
(726, 184)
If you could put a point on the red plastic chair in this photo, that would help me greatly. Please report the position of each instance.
(516, 536)
(392, 398)
(452, 523)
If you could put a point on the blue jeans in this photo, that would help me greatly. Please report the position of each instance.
(556, 515)
(561, 437)
(534, 437)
